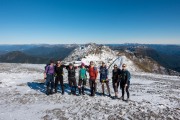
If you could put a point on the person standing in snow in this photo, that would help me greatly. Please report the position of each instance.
(49, 75)
(104, 78)
(59, 76)
(115, 79)
(125, 81)
(93, 73)
(82, 79)
(72, 78)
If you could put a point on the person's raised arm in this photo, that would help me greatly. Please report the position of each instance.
(87, 68)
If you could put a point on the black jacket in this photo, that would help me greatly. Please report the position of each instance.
(59, 70)
(115, 74)
(125, 76)
(71, 72)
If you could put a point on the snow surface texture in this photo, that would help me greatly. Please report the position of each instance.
(152, 96)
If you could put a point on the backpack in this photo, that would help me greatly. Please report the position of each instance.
(95, 70)
(47, 65)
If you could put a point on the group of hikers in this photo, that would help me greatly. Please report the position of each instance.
(119, 77)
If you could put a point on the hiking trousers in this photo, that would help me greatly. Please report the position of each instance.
(57, 80)
(50, 81)
(93, 86)
(115, 84)
(72, 83)
(122, 84)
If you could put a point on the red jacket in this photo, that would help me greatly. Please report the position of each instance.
(93, 73)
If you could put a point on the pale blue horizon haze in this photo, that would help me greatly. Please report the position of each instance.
(84, 21)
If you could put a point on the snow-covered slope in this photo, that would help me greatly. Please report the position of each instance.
(22, 96)
(97, 53)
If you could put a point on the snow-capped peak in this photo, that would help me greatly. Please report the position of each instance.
(98, 54)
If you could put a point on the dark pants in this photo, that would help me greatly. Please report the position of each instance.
(50, 82)
(81, 85)
(115, 85)
(72, 83)
(122, 84)
(57, 80)
(92, 86)
(82, 82)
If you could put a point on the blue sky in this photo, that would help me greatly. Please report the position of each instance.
(84, 21)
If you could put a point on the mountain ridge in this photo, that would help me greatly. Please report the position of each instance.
(137, 53)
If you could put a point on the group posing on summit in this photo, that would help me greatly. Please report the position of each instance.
(120, 77)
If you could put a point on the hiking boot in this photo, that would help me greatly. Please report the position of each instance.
(115, 97)
(123, 98)
(51, 92)
(92, 95)
(75, 91)
(79, 91)
(55, 90)
(47, 90)
(83, 91)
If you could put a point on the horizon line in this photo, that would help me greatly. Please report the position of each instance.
(90, 43)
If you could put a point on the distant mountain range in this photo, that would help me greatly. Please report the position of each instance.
(20, 57)
(40, 54)
(167, 56)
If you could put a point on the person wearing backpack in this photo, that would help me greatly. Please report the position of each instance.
(104, 78)
(72, 78)
(93, 73)
(82, 79)
(125, 81)
(49, 75)
(59, 76)
(115, 79)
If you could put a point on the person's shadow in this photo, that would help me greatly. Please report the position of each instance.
(41, 87)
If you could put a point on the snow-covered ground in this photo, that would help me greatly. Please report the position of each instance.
(152, 96)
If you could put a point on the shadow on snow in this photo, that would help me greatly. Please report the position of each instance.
(41, 87)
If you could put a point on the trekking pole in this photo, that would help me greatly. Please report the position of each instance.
(112, 63)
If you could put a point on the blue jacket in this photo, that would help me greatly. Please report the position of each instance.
(103, 73)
